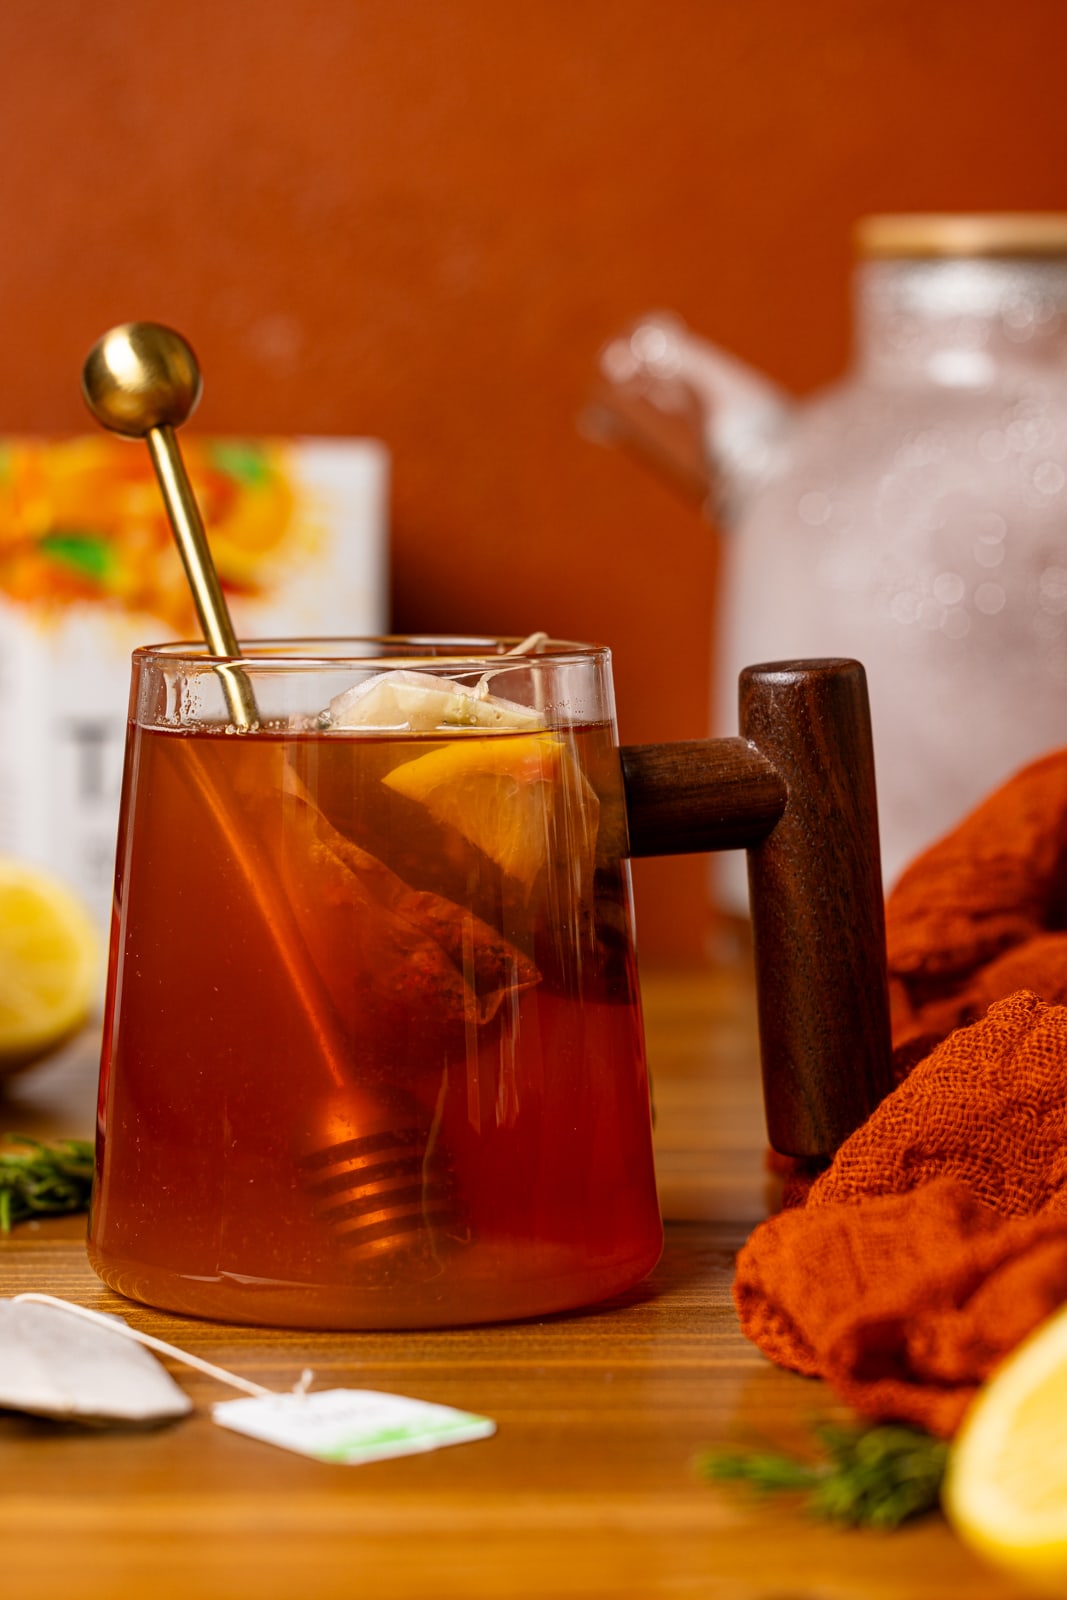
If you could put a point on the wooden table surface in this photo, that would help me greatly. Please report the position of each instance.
(587, 1489)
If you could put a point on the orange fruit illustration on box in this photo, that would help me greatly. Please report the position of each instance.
(82, 521)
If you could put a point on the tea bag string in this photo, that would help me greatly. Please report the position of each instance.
(530, 646)
(220, 1374)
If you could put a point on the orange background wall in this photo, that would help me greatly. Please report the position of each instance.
(419, 219)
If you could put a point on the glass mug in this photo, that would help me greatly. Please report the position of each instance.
(373, 1051)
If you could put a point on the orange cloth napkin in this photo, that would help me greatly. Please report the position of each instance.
(937, 1237)
(984, 911)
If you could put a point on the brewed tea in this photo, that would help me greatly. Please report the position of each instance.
(373, 1053)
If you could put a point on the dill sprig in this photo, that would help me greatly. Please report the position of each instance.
(48, 1180)
(872, 1477)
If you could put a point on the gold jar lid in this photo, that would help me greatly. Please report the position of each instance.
(1008, 233)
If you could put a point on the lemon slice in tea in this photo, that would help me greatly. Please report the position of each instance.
(1006, 1487)
(502, 792)
(50, 961)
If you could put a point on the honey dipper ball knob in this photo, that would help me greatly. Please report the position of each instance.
(141, 376)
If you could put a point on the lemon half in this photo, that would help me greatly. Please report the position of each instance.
(1006, 1487)
(50, 963)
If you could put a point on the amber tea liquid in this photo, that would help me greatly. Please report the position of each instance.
(373, 1054)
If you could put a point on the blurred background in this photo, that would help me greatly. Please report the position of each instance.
(419, 220)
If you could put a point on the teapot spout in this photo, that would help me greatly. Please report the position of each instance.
(702, 418)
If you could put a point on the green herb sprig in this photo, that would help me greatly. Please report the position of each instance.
(49, 1180)
(872, 1477)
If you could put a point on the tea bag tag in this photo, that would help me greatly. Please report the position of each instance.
(351, 1426)
(56, 1365)
(345, 1426)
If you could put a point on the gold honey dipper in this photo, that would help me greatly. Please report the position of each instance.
(142, 380)
(365, 1161)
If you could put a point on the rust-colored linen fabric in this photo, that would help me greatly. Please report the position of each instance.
(937, 1237)
(984, 911)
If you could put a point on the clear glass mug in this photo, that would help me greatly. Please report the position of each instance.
(373, 1051)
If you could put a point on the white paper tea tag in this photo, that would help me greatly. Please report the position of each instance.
(351, 1426)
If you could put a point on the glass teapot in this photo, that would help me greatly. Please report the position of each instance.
(913, 514)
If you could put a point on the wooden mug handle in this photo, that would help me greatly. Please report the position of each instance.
(796, 790)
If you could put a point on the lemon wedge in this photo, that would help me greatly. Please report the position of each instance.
(50, 960)
(1006, 1487)
(503, 793)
